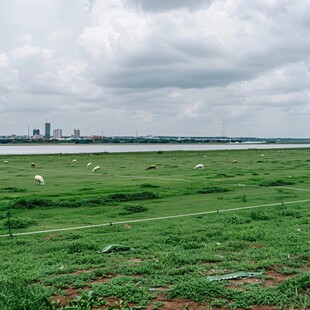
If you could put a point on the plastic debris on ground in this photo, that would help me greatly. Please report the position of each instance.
(235, 275)
(115, 248)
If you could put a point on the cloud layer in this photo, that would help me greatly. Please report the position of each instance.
(160, 67)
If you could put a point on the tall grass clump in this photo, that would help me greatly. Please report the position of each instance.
(16, 294)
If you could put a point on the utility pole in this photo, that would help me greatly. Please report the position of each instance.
(223, 130)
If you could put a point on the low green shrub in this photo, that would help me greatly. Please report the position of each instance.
(148, 185)
(31, 203)
(290, 212)
(81, 246)
(235, 219)
(18, 223)
(259, 216)
(125, 288)
(278, 182)
(130, 209)
(120, 197)
(11, 189)
(198, 290)
(212, 189)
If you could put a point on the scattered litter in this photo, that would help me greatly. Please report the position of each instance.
(115, 248)
(235, 275)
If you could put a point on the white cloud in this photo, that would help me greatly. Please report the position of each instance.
(68, 71)
(114, 30)
(191, 110)
(30, 51)
(27, 39)
(175, 93)
(98, 41)
(4, 62)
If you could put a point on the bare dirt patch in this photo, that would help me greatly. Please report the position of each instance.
(275, 278)
(71, 293)
(51, 237)
(176, 304)
(270, 278)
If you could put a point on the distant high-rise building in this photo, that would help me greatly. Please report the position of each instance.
(47, 130)
(76, 133)
(35, 132)
(57, 133)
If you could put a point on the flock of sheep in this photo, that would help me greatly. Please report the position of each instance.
(39, 179)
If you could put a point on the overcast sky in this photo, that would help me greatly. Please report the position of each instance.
(161, 67)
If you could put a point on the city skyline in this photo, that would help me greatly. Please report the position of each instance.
(48, 129)
(157, 67)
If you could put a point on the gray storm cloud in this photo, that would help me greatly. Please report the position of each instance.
(162, 67)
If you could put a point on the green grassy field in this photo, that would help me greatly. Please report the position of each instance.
(181, 224)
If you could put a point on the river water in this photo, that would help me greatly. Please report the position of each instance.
(124, 148)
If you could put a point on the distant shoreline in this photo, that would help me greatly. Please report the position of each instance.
(70, 148)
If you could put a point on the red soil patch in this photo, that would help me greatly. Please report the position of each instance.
(81, 271)
(178, 304)
(101, 280)
(71, 293)
(264, 308)
(275, 278)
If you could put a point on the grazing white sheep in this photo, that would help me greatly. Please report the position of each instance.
(235, 161)
(39, 179)
(96, 169)
(199, 166)
(33, 165)
(152, 167)
(5, 162)
(89, 164)
(74, 160)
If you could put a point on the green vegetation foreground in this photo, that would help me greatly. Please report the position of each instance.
(167, 262)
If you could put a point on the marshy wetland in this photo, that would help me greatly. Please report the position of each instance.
(246, 211)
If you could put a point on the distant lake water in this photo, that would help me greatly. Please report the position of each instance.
(19, 149)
